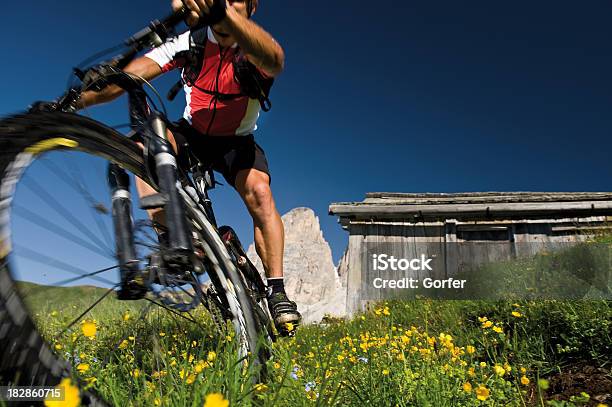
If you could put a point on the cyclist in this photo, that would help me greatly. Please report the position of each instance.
(219, 120)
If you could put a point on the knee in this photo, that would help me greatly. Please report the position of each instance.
(259, 197)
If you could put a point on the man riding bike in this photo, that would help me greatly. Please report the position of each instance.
(220, 117)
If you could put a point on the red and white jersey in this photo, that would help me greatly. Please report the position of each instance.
(205, 112)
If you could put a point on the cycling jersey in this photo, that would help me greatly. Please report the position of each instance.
(206, 112)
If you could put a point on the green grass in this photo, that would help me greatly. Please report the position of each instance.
(404, 353)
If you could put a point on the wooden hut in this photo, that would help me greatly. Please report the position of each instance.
(509, 220)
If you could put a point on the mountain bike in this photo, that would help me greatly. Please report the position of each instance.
(174, 267)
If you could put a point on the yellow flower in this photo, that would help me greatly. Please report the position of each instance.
(277, 365)
(215, 400)
(498, 329)
(524, 380)
(340, 358)
(126, 316)
(71, 395)
(386, 311)
(483, 319)
(89, 329)
(289, 326)
(482, 393)
(190, 379)
(471, 372)
(516, 314)
(157, 402)
(124, 344)
(499, 370)
(467, 387)
(470, 349)
(602, 405)
(58, 346)
(162, 334)
(135, 373)
(385, 372)
(82, 367)
(260, 387)
(483, 364)
(487, 324)
(523, 370)
(211, 356)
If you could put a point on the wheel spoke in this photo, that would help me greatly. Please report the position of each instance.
(58, 264)
(171, 310)
(56, 229)
(36, 188)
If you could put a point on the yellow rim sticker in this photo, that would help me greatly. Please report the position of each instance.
(49, 144)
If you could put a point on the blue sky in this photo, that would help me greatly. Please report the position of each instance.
(428, 97)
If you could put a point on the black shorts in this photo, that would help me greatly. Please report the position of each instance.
(224, 154)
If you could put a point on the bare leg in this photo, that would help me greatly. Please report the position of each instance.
(254, 188)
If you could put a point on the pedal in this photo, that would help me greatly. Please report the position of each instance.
(153, 201)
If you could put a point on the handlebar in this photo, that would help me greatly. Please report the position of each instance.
(157, 32)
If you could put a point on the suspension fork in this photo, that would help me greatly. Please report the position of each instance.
(119, 182)
(180, 245)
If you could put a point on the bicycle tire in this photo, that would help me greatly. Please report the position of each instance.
(26, 358)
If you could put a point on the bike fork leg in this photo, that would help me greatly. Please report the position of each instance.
(119, 182)
(180, 243)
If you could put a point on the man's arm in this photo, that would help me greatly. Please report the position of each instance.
(143, 67)
(259, 46)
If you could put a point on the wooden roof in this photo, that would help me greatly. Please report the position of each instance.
(475, 205)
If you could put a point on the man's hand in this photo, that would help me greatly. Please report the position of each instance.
(197, 8)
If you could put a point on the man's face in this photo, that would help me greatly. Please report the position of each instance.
(226, 40)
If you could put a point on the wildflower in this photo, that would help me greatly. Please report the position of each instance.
(483, 364)
(524, 380)
(126, 316)
(211, 356)
(190, 379)
(483, 319)
(71, 395)
(312, 395)
(89, 329)
(385, 372)
(215, 400)
(194, 344)
(543, 384)
(471, 372)
(467, 387)
(201, 365)
(386, 311)
(135, 373)
(124, 344)
(162, 334)
(260, 387)
(82, 367)
(487, 324)
(340, 358)
(58, 346)
(470, 349)
(310, 355)
(131, 338)
(482, 393)
(498, 329)
(523, 370)
(500, 371)
(91, 380)
(277, 365)
(516, 314)
(289, 326)
(309, 386)
(157, 402)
